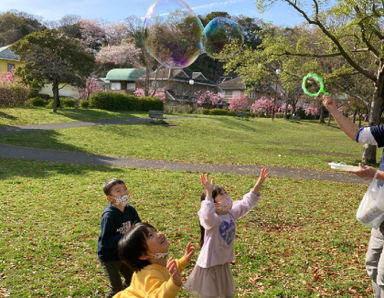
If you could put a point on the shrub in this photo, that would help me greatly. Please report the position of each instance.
(37, 102)
(150, 103)
(222, 112)
(67, 102)
(84, 104)
(126, 102)
(13, 95)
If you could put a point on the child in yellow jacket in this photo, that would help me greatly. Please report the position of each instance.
(145, 251)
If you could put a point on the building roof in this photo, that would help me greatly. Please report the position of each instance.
(234, 84)
(7, 54)
(125, 74)
(178, 74)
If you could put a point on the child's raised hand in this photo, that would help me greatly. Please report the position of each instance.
(174, 272)
(263, 175)
(189, 251)
(208, 185)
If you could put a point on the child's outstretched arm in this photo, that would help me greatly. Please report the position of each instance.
(263, 175)
(189, 251)
(174, 272)
(186, 259)
(241, 208)
(207, 185)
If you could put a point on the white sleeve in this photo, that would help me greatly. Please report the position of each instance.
(365, 136)
(207, 214)
(241, 208)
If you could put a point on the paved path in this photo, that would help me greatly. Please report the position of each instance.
(18, 152)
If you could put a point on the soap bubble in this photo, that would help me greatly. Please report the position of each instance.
(172, 33)
(219, 32)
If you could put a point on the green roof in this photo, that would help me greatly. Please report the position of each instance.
(125, 74)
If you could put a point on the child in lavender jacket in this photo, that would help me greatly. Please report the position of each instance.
(212, 276)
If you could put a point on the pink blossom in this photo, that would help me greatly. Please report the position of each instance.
(264, 105)
(282, 108)
(311, 110)
(238, 103)
(139, 92)
(208, 98)
(124, 55)
(8, 78)
(92, 33)
(91, 87)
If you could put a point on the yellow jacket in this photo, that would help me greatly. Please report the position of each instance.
(153, 281)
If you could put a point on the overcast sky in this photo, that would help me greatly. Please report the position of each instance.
(117, 10)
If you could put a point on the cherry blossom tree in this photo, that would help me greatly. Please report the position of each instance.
(311, 110)
(115, 33)
(91, 87)
(208, 98)
(238, 103)
(125, 54)
(7, 78)
(264, 105)
(92, 33)
(153, 93)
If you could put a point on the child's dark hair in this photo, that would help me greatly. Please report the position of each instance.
(217, 190)
(133, 245)
(110, 183)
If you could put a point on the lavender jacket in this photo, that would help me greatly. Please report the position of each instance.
(220, 230)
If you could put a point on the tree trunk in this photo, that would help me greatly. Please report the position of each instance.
(286, 110)
(56, 100)
(329, 119)
(322, 115)
(369, 153)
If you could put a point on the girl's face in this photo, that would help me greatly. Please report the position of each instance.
(156, 242)
(223, 203)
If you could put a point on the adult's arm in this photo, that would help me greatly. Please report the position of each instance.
(349, 128)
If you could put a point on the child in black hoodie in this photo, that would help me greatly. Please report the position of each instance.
(116, 220)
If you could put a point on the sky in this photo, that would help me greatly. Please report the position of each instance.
(110, 11)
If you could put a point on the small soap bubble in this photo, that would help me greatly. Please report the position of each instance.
(173, 33)
(219, 32)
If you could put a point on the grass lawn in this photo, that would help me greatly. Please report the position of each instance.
(23, 116)
(301, 240)
(216, 140)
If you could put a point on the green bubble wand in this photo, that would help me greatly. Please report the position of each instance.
(318, 79)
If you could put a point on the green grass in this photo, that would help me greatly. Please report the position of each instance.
(23, 116)
(216, 140)
(301, 240)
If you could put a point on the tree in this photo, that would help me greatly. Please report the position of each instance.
(50, 56)
(124, 55)
(115, 33)
(92, 33)
(264, 105)
(354, 30)
(15, 25)
(91, 87)
(208, 99)
(238, 103)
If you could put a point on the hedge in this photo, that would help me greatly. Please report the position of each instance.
(124, 102)
(13, 95)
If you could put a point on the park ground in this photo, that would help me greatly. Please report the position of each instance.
(302, 239)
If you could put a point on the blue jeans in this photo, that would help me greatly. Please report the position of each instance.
(374, 261)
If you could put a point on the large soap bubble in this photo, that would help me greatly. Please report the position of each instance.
(173, 33)
(219, 32)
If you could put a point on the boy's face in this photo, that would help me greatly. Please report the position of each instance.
(117, 191)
